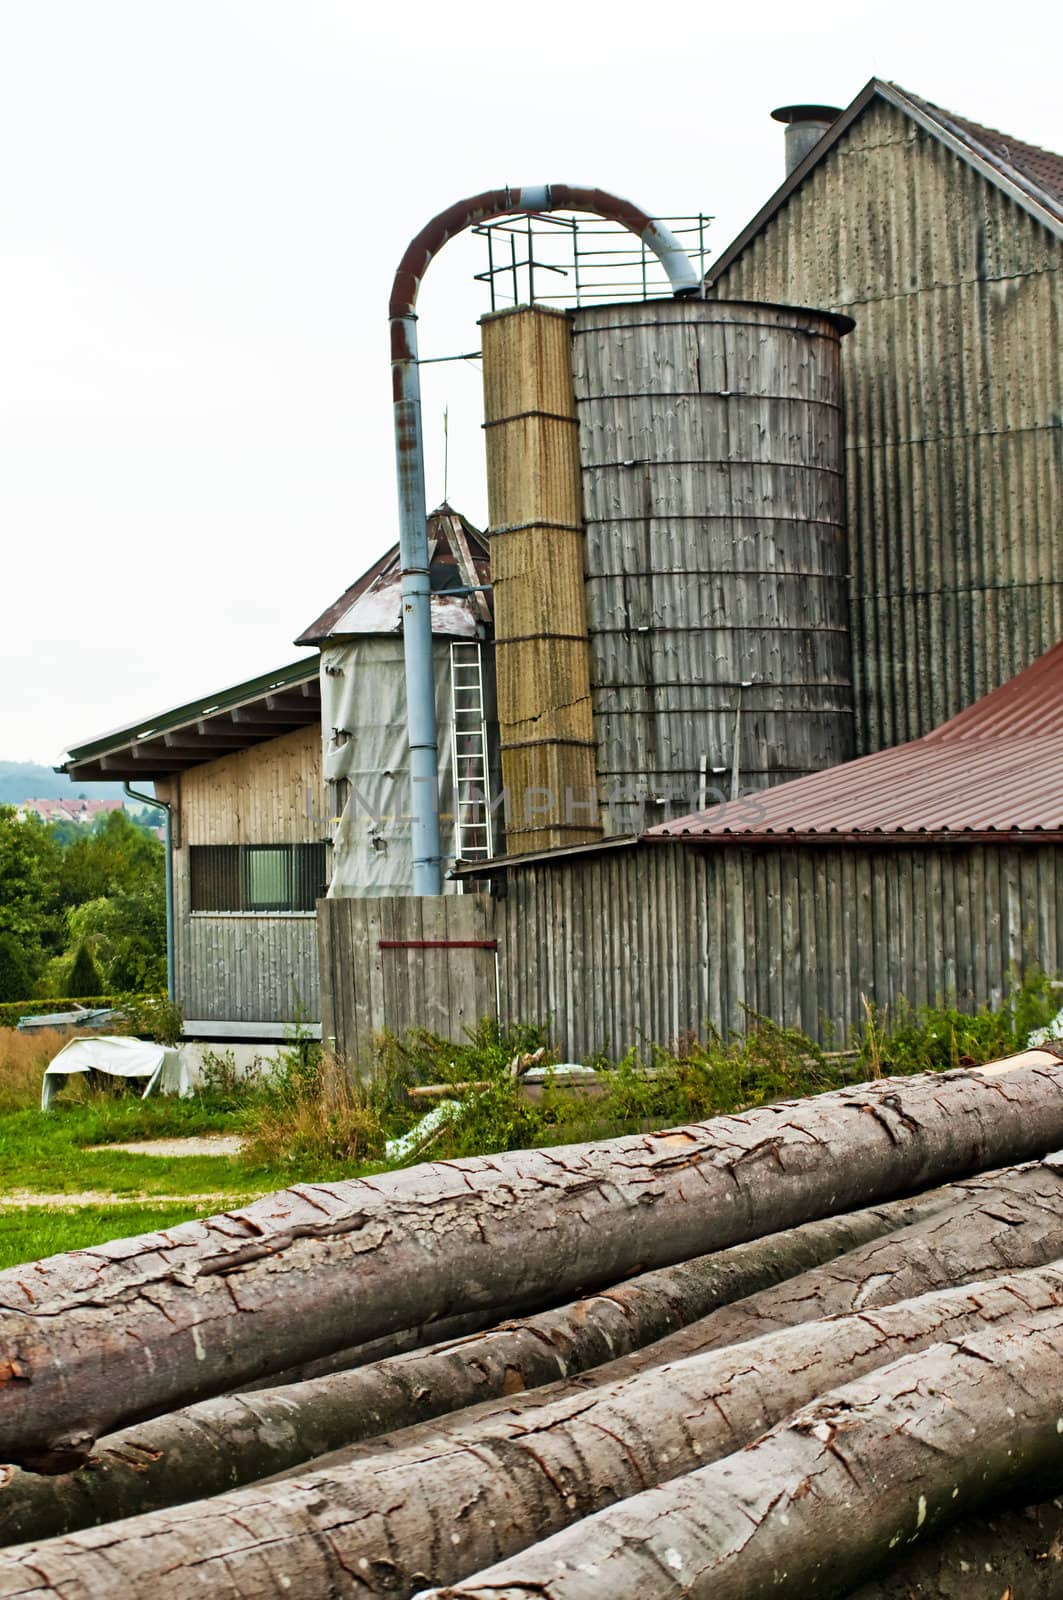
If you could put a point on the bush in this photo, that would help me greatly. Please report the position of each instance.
(933, 1039)
(13, 1011)
(17, 972)
(149, 1016)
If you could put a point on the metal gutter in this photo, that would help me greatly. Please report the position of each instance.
(409, 461)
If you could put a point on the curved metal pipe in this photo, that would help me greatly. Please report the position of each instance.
(409, 460)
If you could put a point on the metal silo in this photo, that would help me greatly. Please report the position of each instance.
(717, 594)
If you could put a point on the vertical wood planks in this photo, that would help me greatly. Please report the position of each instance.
(387, 968)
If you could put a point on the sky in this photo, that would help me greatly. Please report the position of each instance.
(202, 205)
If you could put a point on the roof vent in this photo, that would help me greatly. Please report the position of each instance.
(805, 127)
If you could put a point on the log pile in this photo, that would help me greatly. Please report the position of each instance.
(815, 1349)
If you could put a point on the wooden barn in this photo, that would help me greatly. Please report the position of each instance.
(290, 787)
(943, 240)
(928, 872)
(240, 775)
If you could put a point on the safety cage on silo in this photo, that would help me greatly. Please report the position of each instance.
(669, 552)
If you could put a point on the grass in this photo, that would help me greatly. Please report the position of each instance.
(35, 1231)
(308, 1123)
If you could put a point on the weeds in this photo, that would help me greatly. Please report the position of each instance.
(932, 1039)
(308, 1113)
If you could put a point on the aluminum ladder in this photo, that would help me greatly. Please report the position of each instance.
(473, 839)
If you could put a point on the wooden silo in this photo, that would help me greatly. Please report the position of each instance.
(717, 595)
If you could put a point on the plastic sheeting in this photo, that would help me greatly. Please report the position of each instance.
(162, 1068)
(363, 718)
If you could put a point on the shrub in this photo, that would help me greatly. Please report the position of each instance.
(84, 974)
(149, 1016)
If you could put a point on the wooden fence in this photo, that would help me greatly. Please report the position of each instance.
(397, 963)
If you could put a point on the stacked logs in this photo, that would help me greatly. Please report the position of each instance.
(814, 1349)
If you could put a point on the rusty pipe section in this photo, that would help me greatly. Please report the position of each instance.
(409, 457)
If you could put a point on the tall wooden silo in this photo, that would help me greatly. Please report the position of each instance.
(712, 468)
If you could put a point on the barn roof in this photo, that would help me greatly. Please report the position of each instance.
(1029, 175)
(218, 724)
(458, 553)
(994, 770)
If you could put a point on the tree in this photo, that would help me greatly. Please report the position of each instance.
(126, 935)
(17, 971)
(29, 869)
(113, 857)
(84, 976)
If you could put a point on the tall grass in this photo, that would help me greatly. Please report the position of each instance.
(23, 1058)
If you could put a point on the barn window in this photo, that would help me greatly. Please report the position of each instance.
(257, 877)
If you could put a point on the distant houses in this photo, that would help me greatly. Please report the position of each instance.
(77, 810)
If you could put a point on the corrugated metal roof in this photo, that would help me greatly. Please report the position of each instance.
(996, 768)
(373, 603)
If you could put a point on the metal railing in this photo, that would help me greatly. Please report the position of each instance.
(541, 258)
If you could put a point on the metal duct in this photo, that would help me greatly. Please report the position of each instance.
(409, 455)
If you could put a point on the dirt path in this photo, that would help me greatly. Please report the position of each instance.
(209, 1144)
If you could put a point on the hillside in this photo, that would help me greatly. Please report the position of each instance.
(27, 780)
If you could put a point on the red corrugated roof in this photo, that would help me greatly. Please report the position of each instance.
(996, 768)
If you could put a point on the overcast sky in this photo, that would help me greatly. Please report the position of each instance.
(203, 203)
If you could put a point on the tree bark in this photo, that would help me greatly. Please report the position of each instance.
(1014, 1554)
(431, 1515)
(220, 1444)
(392, 1344)
(1009, 1220)
(1003, 1222)
(830, 1496)
(127, 1330)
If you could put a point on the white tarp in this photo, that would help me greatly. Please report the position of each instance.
(363, 718)
(161, 1067)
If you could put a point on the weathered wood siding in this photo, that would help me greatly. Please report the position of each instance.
(369, 988)
(711, 445)
(268, 794)
(953, 384)
(648, 942)
(248, 967)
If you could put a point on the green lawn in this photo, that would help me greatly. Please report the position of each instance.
(46, 1154)
(27, 1233)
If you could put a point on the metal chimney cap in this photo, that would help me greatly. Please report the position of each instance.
(792, 114)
